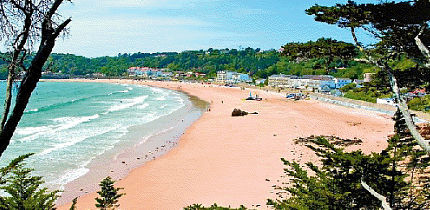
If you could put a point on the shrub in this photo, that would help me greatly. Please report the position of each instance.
(23, 189)
(109, 195)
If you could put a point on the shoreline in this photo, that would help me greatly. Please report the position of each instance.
(228, 160)
(123, 158)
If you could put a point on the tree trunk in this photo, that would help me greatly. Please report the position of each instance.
(28, 84)
(8, 100)
(354, 36)
(424, 50)
(34, 72)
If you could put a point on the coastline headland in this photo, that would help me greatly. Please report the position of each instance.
(236, 160)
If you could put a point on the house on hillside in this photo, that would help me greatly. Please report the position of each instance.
(198, 74)
(223, 76)
(321, 83)
(156, 73)
(145, 72)
(280, 80)
(238, 77)
(166, 74)
(340, 82)
(368, 77)
(232, 77)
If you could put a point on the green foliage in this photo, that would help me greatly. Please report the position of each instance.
(212, 207)
(419, 103)
(379, 87)
(412, 78)
(74, 202)
(348, 87)
(259, 64)
(109, 195)
(326, 50)
(336, 184)
(394, 23)
(209, 62)
(366, 94)
(23, 189)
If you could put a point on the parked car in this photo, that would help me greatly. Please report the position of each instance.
(295, 95)
(291, 95)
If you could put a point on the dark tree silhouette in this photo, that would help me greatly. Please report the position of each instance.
(23, 24)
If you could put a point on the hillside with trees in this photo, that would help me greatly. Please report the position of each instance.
(296, 58)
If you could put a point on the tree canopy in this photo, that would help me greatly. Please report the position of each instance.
(394, 24)
(257, 63)
(323, 48)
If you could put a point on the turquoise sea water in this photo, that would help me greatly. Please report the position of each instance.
(69, 124)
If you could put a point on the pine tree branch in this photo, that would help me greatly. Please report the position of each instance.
(383, 199)
(402, 107)
(354, 36)
(401, 102)
(407, 116)
(21, 39)
(424, 50)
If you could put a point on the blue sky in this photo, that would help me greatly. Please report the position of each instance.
(109, 27)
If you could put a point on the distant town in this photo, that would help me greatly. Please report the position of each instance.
(315, 83)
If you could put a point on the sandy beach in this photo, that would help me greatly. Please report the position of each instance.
(236, 160)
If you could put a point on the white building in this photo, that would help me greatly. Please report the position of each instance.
(143, 72)
(322, 83)
(281, 80)
(232, 77)
(388, 101)
(221, 76)
(260, 81)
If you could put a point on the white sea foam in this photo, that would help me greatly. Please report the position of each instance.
(181, 101)
(75, 138)
(143, 106)
(71, 175)
(64, 145)
(157, 90)
(25, 131)
(63, 123)
(126, 91)
(127, 103)
(34, 110)
(161, 98)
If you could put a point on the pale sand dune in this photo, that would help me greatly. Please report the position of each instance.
(226, 160)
